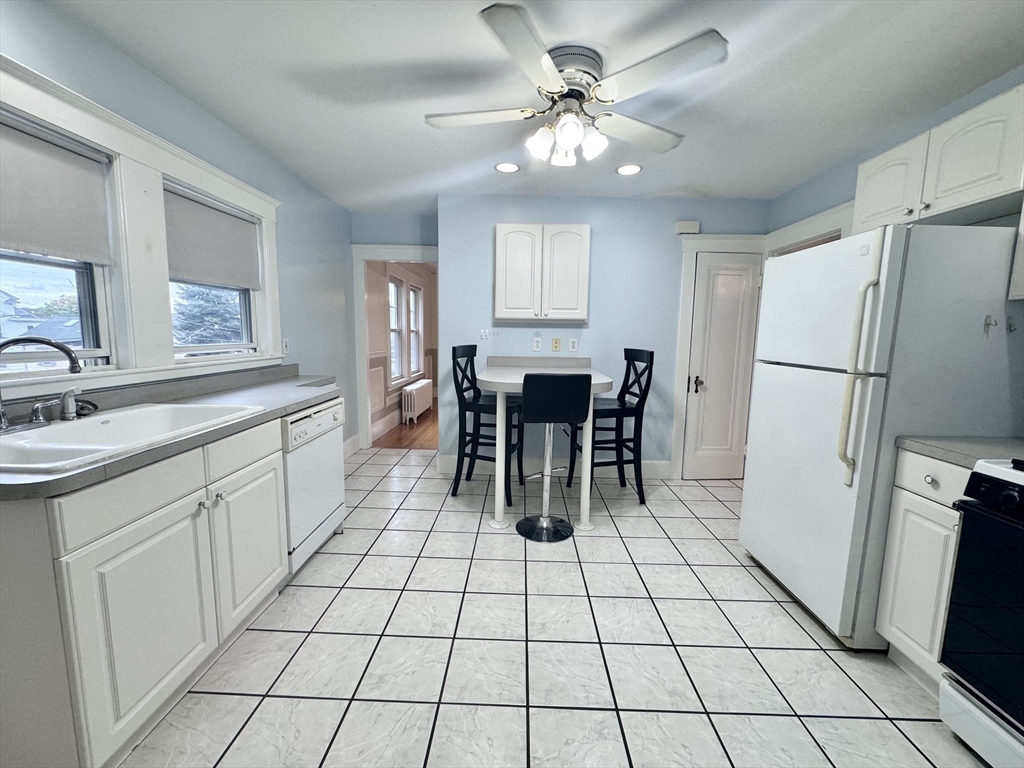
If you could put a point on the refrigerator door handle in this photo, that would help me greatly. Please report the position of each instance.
(852, 371)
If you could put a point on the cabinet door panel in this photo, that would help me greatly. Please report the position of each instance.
(917, 575)
(889, 185)
(517, 268)
(566, 281)
(250, 542)
(141, 617)
(978, 155)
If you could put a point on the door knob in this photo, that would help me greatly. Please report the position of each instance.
(697, 381)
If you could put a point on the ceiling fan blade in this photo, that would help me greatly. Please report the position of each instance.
(513, 28)
(637, 132)
(460, 119)
(695, 54)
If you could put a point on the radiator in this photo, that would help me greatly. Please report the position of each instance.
(416, 398)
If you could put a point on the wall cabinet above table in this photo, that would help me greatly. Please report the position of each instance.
(542, 272)
(971, 159)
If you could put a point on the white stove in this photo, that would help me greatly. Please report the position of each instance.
(1010, 470)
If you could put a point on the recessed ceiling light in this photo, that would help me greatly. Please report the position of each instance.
(630, 169)
(506, 167)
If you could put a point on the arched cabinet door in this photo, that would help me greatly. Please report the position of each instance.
(889, 186)
(976, 156)
(517, 271)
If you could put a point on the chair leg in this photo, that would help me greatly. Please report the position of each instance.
(461, 452)
(638, 475)
(475, 447)
(508, 462)
(573, 433)
(619, 458)
(521, 434)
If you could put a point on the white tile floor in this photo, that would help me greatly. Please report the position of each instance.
(423, 637)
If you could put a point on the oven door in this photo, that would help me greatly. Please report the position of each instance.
(984, 639)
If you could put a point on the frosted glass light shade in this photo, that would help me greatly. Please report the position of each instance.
(564, 157)
(540, 143)
(594, 143)
(568, 131)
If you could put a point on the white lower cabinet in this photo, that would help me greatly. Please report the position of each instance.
(917, 576)
(139, 615)
(250, 538)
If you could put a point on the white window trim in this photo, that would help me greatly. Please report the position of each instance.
(135, 289)
(415, 366)
(394, 382)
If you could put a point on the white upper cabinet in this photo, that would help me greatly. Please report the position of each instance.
(889, 186)
(542, 272)
(975, 157)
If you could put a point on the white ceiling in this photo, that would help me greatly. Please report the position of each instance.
(338, 90)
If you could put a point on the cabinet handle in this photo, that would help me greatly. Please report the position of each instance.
(908, 211)
(220, 496)
(929, 479)
(204, 504)
(925, 206)
(546, 313)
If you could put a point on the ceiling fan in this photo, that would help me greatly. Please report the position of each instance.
(571, 79)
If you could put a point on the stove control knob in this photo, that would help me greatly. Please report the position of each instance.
(1010, 500)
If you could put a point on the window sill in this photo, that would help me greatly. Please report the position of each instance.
(46, 384)
(403, 383)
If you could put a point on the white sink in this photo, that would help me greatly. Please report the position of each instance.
(66, 445)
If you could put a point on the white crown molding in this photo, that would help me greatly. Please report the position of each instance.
(14, 74)
(394, 252)
(839, 218)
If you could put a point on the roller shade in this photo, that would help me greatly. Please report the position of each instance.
(53, 201)
(208, 245)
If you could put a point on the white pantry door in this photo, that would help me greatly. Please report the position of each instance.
(721, 361)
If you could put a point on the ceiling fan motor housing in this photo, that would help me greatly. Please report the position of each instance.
(580, 68)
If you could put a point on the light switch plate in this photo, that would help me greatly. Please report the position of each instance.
(556, 344)
(285, 346)
(574, 345)
(536, 344)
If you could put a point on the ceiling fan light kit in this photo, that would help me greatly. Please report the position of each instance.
(571, 77)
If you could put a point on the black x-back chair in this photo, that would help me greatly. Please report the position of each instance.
(472, 438)
(549, 399)
(628, 404)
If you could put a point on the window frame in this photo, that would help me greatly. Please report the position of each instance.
(189, 353)
(94, 302)
(400, 311)
(132, 294)
(415, 366)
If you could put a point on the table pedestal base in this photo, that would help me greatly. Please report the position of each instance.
(540, 528)
(498, 523)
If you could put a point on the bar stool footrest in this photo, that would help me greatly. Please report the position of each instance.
(537, 528)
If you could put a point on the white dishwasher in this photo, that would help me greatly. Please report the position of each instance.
(314, 477)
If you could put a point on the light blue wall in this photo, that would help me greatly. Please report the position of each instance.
(393, 229)
(635, 275)
(838, 184)
(314, 234)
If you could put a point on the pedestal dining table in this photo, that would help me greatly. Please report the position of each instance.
(504, 376)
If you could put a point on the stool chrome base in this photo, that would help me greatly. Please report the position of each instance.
(538, 528)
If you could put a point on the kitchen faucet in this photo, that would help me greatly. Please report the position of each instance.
(67, 399)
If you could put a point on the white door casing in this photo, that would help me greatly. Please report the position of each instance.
(250, 539)
(721, 357)
(139, 608)
(889, 186)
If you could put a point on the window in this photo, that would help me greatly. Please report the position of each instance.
(210, 319)
(415, 330)
(395, 290)
(50, 297)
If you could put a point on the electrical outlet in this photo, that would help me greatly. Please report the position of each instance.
(285, 346)
(481, 334)
(574, 345)
(556, 344)
(536, 344)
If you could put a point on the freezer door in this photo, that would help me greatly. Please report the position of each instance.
(810, 302)
(799, 519)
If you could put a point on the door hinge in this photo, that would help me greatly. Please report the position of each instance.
(760, 279)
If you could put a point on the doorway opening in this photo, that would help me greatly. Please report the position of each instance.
(401, 353)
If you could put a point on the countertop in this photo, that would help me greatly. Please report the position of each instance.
(964, 451)
(278, 398)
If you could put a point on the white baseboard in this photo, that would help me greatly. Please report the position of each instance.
(386, 424)
(352, 444)
(653, 470)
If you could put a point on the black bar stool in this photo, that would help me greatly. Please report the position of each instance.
(471, 401)
(549, 399)
(628, 404)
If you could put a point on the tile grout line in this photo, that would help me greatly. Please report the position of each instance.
(689, 677)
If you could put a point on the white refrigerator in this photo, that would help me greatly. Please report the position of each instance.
(860, 341)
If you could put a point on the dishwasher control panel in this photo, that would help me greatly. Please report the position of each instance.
(302, 427)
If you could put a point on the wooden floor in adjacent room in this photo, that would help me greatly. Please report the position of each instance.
(421, 435)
